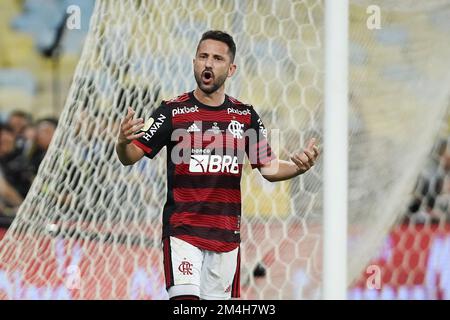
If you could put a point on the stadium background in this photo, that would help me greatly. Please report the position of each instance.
(415, 259)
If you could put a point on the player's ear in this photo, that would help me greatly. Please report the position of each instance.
(232, 69)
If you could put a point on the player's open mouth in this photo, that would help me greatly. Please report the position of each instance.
(207, 76)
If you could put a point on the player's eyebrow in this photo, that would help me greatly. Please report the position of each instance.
(215, 55)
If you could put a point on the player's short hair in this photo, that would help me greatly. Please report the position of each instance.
(222, 37)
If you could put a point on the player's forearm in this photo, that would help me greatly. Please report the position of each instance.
(128, 153)
(280, 170)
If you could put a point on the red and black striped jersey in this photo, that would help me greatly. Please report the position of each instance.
(206, 147)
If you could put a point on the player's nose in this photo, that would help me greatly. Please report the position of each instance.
(209, 63)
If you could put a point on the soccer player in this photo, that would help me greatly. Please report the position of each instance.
(207, 134)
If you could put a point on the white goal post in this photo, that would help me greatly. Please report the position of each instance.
(335, 169)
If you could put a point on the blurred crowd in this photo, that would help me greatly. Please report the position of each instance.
(23, 144)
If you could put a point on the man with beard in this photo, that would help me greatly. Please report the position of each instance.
(207, 134)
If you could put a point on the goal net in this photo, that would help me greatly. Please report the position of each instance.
(90, 228)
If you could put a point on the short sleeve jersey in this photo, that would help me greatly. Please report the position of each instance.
(206, 147)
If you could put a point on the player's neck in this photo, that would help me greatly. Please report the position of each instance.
(214, 99)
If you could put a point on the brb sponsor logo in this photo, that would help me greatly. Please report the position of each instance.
(184, 110)
(238, 112)
(214, 163)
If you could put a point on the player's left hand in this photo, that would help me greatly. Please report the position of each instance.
(307, 158)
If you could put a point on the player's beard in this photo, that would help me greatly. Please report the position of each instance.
(218, 81)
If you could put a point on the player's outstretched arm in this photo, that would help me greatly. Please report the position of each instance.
(278, 170)
(127, 152)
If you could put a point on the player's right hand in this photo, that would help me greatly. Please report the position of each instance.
(129, 127)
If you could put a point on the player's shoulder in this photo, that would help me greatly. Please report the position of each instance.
(177, 100)
(239, 104)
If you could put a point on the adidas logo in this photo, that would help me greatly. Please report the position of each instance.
(193, 128)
